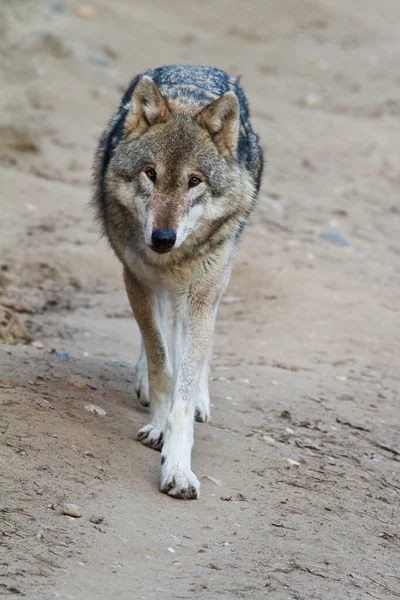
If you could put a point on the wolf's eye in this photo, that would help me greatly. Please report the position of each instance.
(151, 174)
(194, 181)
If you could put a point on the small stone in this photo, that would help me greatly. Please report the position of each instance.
(212, 479)
(72, 510)
(63, 355)
(208, 526)
(78, 385)
(313, 100)
(171, 550)
(334, 238)
(85, 12)
(177, 563)
(292, 463)
(100, 59)
(93, 408)
(37, 345)
(231, 300)
(268, 440)
(57, 7)
(96, 519)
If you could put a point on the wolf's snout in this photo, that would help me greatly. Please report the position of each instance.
(163, 240)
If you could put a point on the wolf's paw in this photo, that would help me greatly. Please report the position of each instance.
(180, 483)
(202, 411)
(151, 436)
(141, 383)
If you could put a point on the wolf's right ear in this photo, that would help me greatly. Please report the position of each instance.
(148, 107)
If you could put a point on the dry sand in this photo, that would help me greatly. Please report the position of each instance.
(307, 343)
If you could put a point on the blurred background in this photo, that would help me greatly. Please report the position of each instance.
(304, 438)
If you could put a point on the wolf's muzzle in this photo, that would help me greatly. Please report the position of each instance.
(163, 240)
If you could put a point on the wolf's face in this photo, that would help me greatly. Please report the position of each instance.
(173, 166)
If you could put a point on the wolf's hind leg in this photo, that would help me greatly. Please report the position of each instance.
(202, 407)
(150, 314)
(141, 378)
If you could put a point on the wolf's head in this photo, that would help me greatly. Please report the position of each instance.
(175, 169)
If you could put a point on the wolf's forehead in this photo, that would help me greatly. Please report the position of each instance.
(178, 143)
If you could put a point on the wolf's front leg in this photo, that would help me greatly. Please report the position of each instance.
(146, 308)
(141, 375)
(193, 330)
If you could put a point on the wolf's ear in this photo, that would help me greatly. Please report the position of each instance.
(148, 107)
(222, 119)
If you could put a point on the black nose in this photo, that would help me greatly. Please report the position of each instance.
(163, 240)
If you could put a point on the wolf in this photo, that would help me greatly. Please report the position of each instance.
(176, 177)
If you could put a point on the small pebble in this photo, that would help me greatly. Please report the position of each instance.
(292, 463)
(212, 479)
(63, 355)
(177, 563)
(79, 385)
(57, 7)
(100, 59)
(231, 300)
(334, 238)
(171, 550)
(270, 441)
(93, 408)
(85, 12)
(208, 526)
(96, 519)
(37, 345)
(72, 510)
(313, 100)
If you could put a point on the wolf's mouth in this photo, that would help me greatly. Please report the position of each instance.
(161, 251)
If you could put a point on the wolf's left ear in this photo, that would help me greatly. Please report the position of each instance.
(222, 120)
(148, 107)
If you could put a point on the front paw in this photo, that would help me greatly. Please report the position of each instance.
(151, 436)
(180, 483)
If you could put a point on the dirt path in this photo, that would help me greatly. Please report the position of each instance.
(300, 464)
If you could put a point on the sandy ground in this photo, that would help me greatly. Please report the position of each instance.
(300, 464)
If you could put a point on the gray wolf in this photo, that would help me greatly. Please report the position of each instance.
(176, 176)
